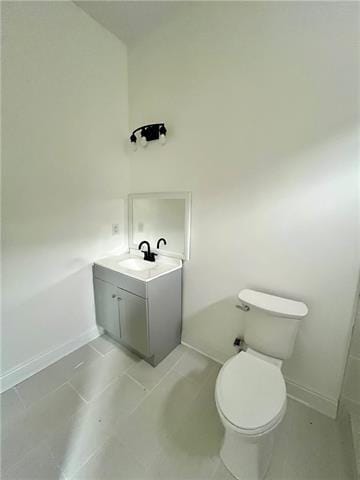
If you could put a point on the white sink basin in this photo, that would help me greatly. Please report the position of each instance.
(136, 267)
(136, 264)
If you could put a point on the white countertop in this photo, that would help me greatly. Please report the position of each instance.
(161, 266)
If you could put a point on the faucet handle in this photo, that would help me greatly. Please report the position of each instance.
(149, 256)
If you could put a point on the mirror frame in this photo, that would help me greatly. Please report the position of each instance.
(187, 224)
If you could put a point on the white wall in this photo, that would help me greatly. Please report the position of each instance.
(260, 103)
(65, 173)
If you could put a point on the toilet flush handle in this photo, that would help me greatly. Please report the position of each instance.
(244, 308)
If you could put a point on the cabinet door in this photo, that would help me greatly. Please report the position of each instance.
(106, 307)
(133, 321)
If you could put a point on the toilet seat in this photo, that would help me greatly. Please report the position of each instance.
(250, 394)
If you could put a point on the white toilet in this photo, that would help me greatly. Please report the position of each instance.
(250, 389)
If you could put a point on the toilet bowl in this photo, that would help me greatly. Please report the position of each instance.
(250, 390)
(250, 396)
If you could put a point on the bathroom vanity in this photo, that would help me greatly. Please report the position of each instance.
(140, 308)
(139, 302)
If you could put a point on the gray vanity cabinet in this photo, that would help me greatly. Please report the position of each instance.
(133, 321)
(144, 316)
(107, 307)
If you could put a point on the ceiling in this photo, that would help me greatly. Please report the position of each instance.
(131, 20)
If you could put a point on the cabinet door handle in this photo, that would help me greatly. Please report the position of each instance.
(113, 295)
(119, 308)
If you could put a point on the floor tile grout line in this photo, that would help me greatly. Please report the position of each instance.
(58, 465)
(111, 382)
(86, 402)
(148, 392)
(164, 376)
(114, 434)
(41, 399)
(116, 379)
(50, 434)
(110, 437)
(207, 376)
(97, 351)
(191, 403)
(127, 374)
(47, 433)
(67, 380)
(161, 379)
(208, 379)
(111, 433)
(171, 369)
(77, 469)
(77, 393)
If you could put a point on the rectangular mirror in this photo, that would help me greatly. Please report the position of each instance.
(161, 215)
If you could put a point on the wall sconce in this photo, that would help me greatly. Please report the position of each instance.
(155, 131)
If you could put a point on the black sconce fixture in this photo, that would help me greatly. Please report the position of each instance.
(155, 131)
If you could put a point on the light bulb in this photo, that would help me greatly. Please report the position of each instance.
(162, 138)
(143, 141)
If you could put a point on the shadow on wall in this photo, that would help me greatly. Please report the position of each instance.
(209, 324)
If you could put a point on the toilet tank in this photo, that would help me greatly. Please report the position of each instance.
(271, 322)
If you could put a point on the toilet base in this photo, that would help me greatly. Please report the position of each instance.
(246, 457)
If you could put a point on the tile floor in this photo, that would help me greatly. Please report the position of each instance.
(101, 413)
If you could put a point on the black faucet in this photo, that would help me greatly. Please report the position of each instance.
(148, 255)
(159, 241)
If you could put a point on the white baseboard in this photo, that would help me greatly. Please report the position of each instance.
(351, 405)
(24, 370)
(212, 357)
(312, 399)
(308, 397)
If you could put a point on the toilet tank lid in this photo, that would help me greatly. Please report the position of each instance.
(279, 306)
